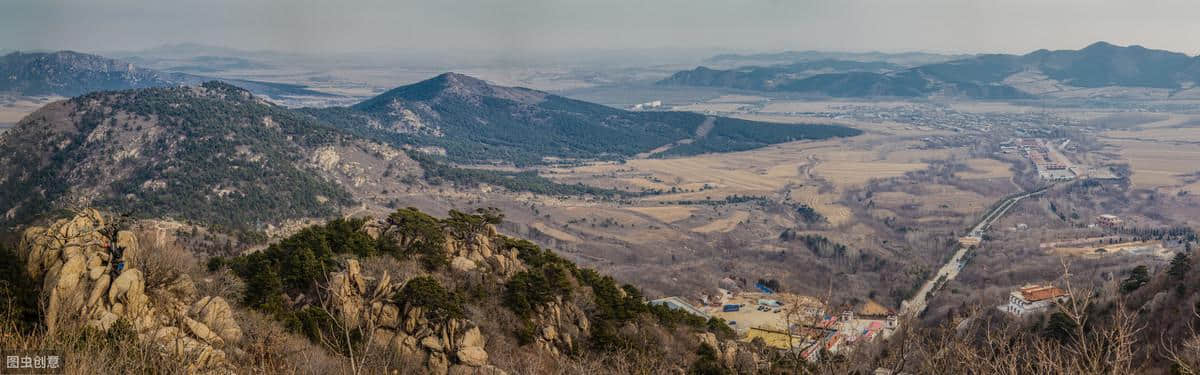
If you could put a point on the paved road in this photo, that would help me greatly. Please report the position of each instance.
(917, 303)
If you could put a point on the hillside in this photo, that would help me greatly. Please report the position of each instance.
(996, 76)
(68, 73)
(768, 77)
(212, 153)
(476, 122)
(907, 59)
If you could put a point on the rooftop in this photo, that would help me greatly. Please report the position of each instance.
(1034, 293)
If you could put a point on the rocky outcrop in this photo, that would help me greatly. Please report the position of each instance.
(456, 345)
(560, 326)
(482, 252)
(83, 287)
(730, 354)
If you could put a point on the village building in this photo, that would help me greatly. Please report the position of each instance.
(676, 303)
(1033, 299)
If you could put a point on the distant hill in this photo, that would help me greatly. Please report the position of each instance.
(991, 76)
(67, 73)
(907, 59)
(1102, 64)
(768, 77)
(476, 122)
(212, 153)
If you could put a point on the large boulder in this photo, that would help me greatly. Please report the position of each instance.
(472, 356)
(471, 337)
(345, 298)
(433, 343)
(128, 241)
(437, 363)
(404, 345)
(462, 264)
(216, 313)
(201, 331)
(354, 273)
(129, 289)
(388, 315)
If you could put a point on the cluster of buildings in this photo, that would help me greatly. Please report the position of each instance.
(1050, 164)
(786, 321)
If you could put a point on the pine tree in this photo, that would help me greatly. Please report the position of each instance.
(1180, 265)
(1138, 277)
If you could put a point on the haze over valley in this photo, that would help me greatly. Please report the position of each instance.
(485, 198)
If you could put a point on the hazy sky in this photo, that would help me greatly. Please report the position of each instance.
(557, 25)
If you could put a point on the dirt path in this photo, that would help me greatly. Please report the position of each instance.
(701, 132)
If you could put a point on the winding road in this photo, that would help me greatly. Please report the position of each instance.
(916, 304)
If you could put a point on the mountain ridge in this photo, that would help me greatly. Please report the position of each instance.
(473, 121)
(161, 151)
(69, 73)
(1099, 64)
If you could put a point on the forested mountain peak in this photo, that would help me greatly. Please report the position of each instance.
(473, 121)
(212, 153)
(451, 85)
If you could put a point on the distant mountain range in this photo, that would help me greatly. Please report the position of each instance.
(996, 76)
(476, 122)
(68, 73)
(768, 77)
(907, 59)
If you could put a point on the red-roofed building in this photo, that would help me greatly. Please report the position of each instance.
(1033, 298)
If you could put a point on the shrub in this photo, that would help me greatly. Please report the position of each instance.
(440, 305)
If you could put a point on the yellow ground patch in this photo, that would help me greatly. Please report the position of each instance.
(555, 233)
(723, 225)
(1159, 163)
(666, 214)
(859, 173)
(986, 168)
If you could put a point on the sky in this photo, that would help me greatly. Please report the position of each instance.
(564, 26)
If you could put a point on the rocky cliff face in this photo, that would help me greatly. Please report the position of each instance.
(75, 262)
(456, 346)
(367, 298)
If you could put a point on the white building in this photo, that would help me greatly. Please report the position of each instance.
(647, 105)
(1033, 299)
(676, 303)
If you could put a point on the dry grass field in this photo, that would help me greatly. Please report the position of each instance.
(986, 168)
(1158, 164)
(1139, 247)
(13, 109)
(666, 214)
(725, 224)
(555, 233)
